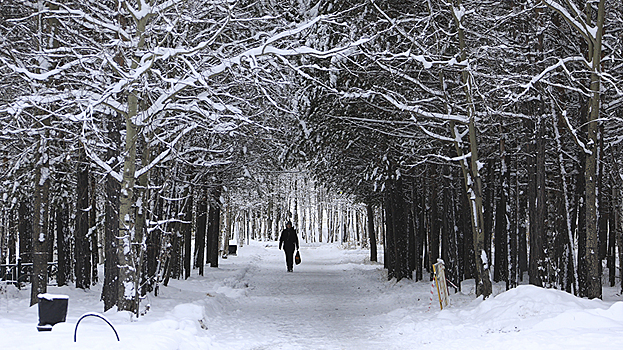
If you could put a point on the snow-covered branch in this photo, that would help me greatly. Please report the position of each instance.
(419, 111)
(589, 33)
(561, 63)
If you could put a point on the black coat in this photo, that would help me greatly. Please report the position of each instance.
(289, 240)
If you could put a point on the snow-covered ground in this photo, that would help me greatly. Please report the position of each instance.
(336, 299)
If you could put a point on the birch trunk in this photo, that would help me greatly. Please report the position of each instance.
(471, 172)
(128, 261)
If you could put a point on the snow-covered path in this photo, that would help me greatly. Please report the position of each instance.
(328, 302)
(336, 299)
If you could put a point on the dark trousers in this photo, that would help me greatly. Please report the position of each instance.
(289, 257)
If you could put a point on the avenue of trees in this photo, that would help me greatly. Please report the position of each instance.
(145, 135)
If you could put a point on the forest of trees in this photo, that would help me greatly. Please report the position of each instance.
(145, 135)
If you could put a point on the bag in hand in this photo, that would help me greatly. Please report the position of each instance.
(297, 258)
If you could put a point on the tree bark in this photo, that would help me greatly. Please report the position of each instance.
(110, 287)
(127, 225)
(502, 221)
(420, 235)
(612, 229)
(200, 234)
(41, 240)
(449, 247)
(111, 227)
(400, 231)
(389, 249)
(371, 232)
(83, 247)
(538, 211)
(187, 231)
(63, 245)
(130, 239)
(435, 220)
(214, 218)
(618, 218)
(93, 236)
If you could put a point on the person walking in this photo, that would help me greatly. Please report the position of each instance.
(289, 241)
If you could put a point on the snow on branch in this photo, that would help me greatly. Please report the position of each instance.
(97, 160)
(435, 135)
(589, 33)
(88, 19)
(574, 134)
(560, 63)
(162, 156)
(266, 50)
(453, 159)
(407, 77)
(146, 9)
(48, 74)
(261, 50)
(415, 109)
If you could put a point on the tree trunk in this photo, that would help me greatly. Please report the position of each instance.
(93, 238)
(580, 218)
(612, 229)
(371, 232)
(488, 204)
(3, 236)
(538, 217)
(63, 245)
(411, 233)
(618, 218)
(449, 247)
(83, 246)
(130, 236)
(111, 227)
(214, 218)
(127, 225)
(200, 234)
(227, 229)
(435, 221)
(142, 238)
(400, 231)
(110, 287)
(25, 232)
(13, 238)
(269, 221)
(390, 249)
(502, 222)
(41, 240)
(187, 231)
(420, 210)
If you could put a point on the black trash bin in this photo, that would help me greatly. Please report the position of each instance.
(232, 249)
(52, 310)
